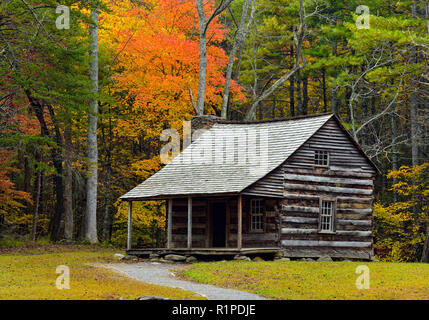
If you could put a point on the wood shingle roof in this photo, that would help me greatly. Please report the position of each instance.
(241, 154)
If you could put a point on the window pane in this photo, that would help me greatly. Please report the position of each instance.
(257, 218)
(326, 219)
(321, 157)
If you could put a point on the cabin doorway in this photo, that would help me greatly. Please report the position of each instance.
(219, 225)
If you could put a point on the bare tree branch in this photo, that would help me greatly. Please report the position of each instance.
(298, 38)
(239, 39)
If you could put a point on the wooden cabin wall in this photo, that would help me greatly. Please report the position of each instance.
(269, 186)
(180, 223)
(201, 223)
(268, 238)
(349, 180)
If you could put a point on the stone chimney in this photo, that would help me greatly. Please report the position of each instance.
(204, 122)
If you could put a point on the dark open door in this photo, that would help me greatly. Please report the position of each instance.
(219, 224)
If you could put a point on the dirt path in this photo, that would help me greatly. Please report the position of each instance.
(161, 274)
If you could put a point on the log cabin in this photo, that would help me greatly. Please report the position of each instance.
(300, 187)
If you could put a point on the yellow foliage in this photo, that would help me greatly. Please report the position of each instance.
(147, 217)
(400, 227)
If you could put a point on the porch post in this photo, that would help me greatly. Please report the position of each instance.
(240, 222)
(130, 215)
(189, 222)
(169, 222)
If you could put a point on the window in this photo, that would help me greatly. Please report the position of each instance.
(257, 215)
(326, 221)
(321, 158)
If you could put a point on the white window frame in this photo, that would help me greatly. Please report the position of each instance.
(319, 158)
(327, 215)
(259, 214)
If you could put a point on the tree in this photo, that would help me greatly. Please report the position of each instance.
(397, 227)
(240, 37)
(300, 63)
(42, 69)
(155, 50)
(91, 201)
(204, 27)
(68, 183)
(10, 198)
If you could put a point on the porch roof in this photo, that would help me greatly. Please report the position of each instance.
(188, 175)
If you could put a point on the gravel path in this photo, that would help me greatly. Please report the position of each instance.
(161, 274)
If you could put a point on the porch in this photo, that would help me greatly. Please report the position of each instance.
(205, 252)
(219, 226)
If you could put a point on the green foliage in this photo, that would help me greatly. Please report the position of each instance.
(7, 242)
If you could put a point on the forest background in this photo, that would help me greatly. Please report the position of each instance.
(87, 87)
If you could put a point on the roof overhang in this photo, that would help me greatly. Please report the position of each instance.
(175, 196)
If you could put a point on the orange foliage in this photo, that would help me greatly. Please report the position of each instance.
(10, 199)
(155, 49)
(158, 61)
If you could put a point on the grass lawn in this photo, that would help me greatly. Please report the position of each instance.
(31, 274)
(315, 280)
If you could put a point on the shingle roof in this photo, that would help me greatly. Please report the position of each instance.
(275, 141)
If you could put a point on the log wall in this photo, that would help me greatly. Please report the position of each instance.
(180, 223)
(201, 223)
(270, 186)
(349, 181)
(268, 238)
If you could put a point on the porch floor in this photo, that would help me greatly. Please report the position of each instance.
(207, 252)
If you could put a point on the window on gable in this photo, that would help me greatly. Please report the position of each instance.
(321, 158)
(257, 215)
(327, 216)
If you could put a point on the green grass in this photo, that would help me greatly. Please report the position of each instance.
(11, 242)
(30, 273)
(315, 280)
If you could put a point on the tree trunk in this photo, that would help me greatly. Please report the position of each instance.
(413, 121)
(305, 96)
(36, 206)
(260, 112)
(57, 160)
(414, 102)
(292, 86)
(240, 49)
(394, 147)
(59, 194)
(204, 24)
(273, 110)
(349, 110)
(106, 220)
(91, 200)
(335, 102)
(335, 108)
(239, 39)
(202, 76)
(27, 174)
(68, 185)
(298, 93)
(325, 104)
(108, 216)
(425, 253)
(299, 38)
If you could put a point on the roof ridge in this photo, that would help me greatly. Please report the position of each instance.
(222, 121)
